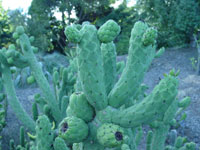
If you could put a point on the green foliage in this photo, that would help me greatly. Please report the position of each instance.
(5, 28)
(3, 109)
(175, 20)
(50, 36)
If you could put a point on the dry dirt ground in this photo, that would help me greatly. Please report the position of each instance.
(189, 85)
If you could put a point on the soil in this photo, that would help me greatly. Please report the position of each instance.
(189, 85)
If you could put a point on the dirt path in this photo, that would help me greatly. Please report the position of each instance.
(189, 86)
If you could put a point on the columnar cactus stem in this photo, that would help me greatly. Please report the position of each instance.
(159, 137)
(13, 101)
(91, 67)
(44, 134)
(108, 51)
(151, 108)
(139, 59)
(39, 76)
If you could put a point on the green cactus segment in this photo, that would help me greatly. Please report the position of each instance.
(22, 138)
(15, 35)
(35, 111)
(163, 125)
(149, 140)
(110, 135)
(179, 142)
(125, 147)
(170, 113)
(91, 68)
(64, 104)
(109, 63)
(78, 86)
(39, 77)
(11, 57)
(159, 137)
(44, 133)
(108, 31)
(185, 102)
(190, 146)
(59, 144)
(20, 30)
(32, 39)
(149, 37)
(13, 100)
(69, 112)
(152, 107)
(93, 146)
(72, 34)
(80, 107)
(160, 52)
(73, 130)
(120, 67)
(139, 59)
(77, 146)
(11, 145)
(30, 80)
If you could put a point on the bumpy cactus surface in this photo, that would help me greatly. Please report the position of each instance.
(105, 113)
(120, 105)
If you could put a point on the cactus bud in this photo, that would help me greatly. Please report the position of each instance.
(72, 34)
(108, 31)
(30, 79)
(20, 30)
(149, 37)
(73, 130)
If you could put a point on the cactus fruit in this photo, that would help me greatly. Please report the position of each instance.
(30, 80)
(20, 30)
(72, 33)
(108, 31)
(110, 135)
(73, 130)
(149, 37)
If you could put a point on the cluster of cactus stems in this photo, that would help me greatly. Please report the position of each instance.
(104, 112)
(3, 108)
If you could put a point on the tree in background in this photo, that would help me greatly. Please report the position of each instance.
(175, 19)
(5, 28)
(50, 35)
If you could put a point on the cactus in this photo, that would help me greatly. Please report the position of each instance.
(105, 112)
(108, 51)
(73, 130)
(78, 101)
(121, 105)
(44, 134)
(59, 144)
